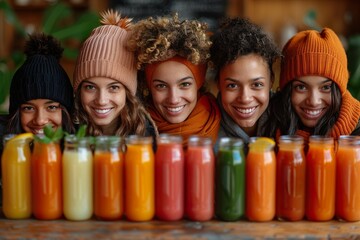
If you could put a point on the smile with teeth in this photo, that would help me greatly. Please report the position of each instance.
(38, 131)
(312, 112)
(102, 111)
(175, 109)
(246, 110)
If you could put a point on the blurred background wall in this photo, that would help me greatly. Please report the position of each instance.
(71, 21)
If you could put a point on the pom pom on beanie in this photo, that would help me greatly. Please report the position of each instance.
(104, 53)
(41, 76)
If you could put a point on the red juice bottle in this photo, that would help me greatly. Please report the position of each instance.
(169, 178)
(199, 178)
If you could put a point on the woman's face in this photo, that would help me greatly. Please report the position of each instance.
(174, 91)
(36, 114)
(311, 98)
(245, 90)
(103, 99)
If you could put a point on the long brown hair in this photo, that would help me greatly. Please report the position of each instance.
(132, 118)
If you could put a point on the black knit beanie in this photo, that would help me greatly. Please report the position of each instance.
(41, 75)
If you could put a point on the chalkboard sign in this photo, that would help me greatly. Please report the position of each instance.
(209, 11)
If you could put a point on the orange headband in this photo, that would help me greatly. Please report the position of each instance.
(199, 71)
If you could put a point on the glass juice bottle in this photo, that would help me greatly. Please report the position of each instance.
(139, 179)
(77, 166)
(199, 179)
(260, 180)
(108, 178)
(16, 177)
(290, 178)
(347, 179)
(169, 178)
(320, 179)
(46, 180)
(230, 180)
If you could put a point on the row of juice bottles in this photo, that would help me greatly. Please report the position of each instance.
(112, 181)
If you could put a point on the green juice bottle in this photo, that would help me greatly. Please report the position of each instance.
(230, 180)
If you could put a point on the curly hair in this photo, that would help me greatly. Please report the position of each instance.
(159, 39)
(132, 118)
(238, 37)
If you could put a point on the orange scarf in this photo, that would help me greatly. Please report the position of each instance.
(204, 120)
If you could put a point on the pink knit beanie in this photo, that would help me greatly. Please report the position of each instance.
(104, 53)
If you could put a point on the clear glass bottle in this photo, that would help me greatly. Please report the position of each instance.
(77, 178)
(46, 180)
(169, 178)
(347, 179)
(16, 177)
(320, 179)
(290, 178)
(260, 180)
(108, 178)
(139, 178)
(199, 179)
(230, 180)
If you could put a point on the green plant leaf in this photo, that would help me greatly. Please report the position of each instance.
(54, 15)
(48, 131)
(81, 132)
(58, 134)
(11, 17)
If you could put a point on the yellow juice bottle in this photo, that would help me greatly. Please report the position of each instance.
(16, 179)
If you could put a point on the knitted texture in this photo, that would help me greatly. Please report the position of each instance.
(315, 53)
(199, 71)
(104, 54)
(41, 76)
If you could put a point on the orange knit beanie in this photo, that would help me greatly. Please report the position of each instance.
(315, 53)
(104, 54)
(199, 71)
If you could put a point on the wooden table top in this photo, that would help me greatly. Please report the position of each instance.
(122, 229)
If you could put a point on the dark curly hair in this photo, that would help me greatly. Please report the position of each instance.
(238, 37)
(158, 39)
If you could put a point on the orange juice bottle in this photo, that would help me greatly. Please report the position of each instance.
(290, 178)
(320, 179)
(16, 177)
(46, 180)
(139, 179)
(77, 166)
(347, 178)
(108, 178)
(260, 179)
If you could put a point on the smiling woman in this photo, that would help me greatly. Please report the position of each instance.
(313, 97)
(173, 56)
(243, 56)
(105, 82)
(40, 91)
